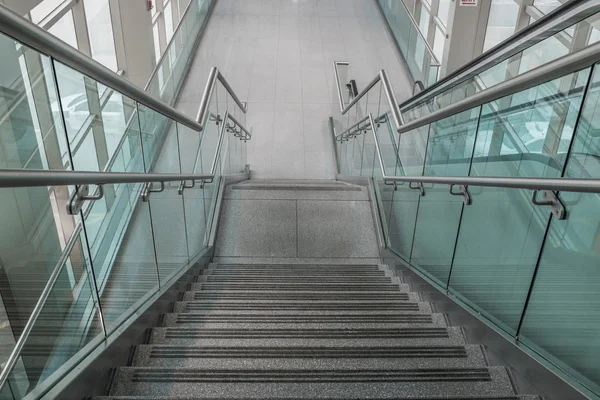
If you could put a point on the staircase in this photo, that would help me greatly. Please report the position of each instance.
(306, 332)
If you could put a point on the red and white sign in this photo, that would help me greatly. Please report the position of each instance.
(468, 3)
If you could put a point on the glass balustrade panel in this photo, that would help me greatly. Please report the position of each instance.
(494, 261)
(449, 153)
(562, 318)
(166, 207)
(67, 327)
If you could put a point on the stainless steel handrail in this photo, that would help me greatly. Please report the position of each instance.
(31, 178)
(561, 18)
(209, 89)
(235, 121)
(337, 82)
(554, 184)
(555, 69)
(355, 100)
(389, 94)
(35, 37)
(353, 126)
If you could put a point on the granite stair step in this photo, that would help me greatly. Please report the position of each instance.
(311, 383)
(305, 357)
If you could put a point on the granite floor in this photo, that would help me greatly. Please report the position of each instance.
(297, 224)
(278, 56)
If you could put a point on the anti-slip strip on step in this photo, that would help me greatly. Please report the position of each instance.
(293, 272)
(159, 351)
(321, 398)
(325, 333)
(156, 375)
(300, 186)
(296, 279)
(313, 287)
(321, 306)
(303, 319)
(399, 296)
(298, 268)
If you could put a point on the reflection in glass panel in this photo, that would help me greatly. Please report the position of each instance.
(438, 43)
(420, 48)
(195, 216)
(35, 225)
(563, 315)
(168, 216)
(501, 22)
(412, 147)
(449, 153)
(116, 115)
(444, 11)
(542, 53)
(546, 6)
(155, 35)
(100, 30)
(67, 323)
(411, 43)
(120, 234)
(594, 36)
(75, 107)
(168, 15)
(494, 261)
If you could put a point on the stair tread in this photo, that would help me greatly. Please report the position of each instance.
(310, 331)
(317, 383)
(303, 321)
(307, 287)
(195, 336)
(417, 397)
(310, 358)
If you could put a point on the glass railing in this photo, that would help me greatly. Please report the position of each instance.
(416, 51)
(531, 55)
(168, 75)
(119, 253)
(531, 275)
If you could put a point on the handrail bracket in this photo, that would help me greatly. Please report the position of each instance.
(464, 192)
(80, 195)
(419, 186)
(394, 184)
(184, 185)
(550, 199)
(147, 190)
